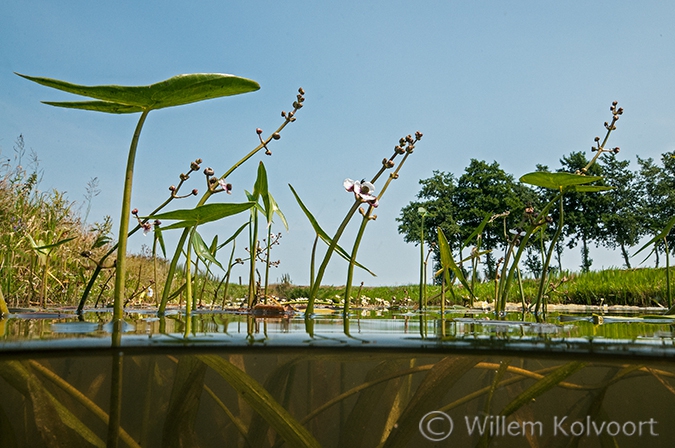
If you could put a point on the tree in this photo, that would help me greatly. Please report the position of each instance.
(437, 197)
(583, 211)
(656, 185)
(623, 225)
(458, 207)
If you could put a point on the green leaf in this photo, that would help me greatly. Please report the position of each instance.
(437, 383)
(96, 106)
(42, 247)
(449, 263)
(260, 187)
(235, 235)
(664, 233)
(202, 250)
(160, 238)
(549, 381)
(478, 230)
(556, 181)
(181, 89)
(323, 235)
(590, 188)
(262, 402)
(202, 214)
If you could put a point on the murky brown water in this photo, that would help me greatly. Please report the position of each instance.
(401, 381)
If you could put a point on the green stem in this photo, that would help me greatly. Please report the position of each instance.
(668, 294)
(267, 260)
(422, 264)
(188, 280)
(507, 284)
(120, 270)
(166, 292)
(326, 258)
(312, 262)
(253, 246)
(352, 261)
(544, 271)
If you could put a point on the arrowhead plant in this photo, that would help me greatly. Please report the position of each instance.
(114, 99)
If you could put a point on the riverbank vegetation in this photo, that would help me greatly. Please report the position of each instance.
(48, 248)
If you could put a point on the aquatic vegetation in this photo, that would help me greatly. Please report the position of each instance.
(363, 195)
(662, 237)
(176, 91)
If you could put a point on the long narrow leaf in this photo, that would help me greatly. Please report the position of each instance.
(666, 230)
(202, 250)
(202, 214)
(477, 231)
(449, 263)
(262, 402)
(235, 235)
(324, 236)
(549, 381)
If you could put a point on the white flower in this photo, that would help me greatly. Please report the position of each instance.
(364, 191)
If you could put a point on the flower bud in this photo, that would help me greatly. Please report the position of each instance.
(195, 192)
(134, 212)
(194, 166)
(301, 91)
(418, 135)
(258, 131)
(172, 188)
(208, 171)
(276, 136)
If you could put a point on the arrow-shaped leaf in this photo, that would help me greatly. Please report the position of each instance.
(202, 214)
(181, 89)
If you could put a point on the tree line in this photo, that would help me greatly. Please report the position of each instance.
(639, 204)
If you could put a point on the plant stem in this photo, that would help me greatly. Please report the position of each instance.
(422, 263)
(166, 292)
(188, 279)
(267, 259)
(668, 294)
(120, 270)
(352, 261)
(253, 246)
(324, 264)
(554, 240)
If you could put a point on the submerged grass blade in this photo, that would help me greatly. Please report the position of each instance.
(435, 385)
(548, 382)
(262, 402)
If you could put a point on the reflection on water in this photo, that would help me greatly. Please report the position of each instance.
(643, 336)
(399, 380)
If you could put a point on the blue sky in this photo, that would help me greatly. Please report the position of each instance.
(519, 82)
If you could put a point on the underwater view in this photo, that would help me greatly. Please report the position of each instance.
(384, 378)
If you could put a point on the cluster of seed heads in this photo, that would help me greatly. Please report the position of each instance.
(194, 166)
(290, 118)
